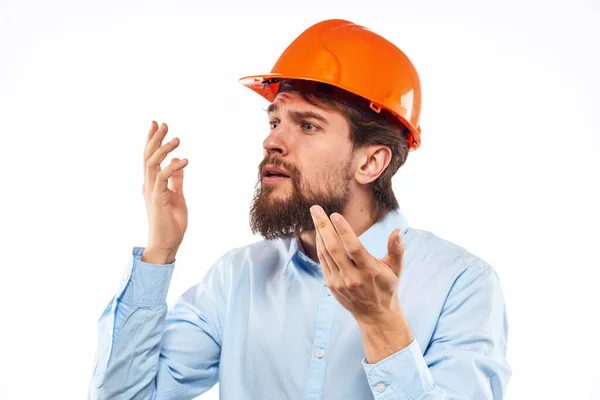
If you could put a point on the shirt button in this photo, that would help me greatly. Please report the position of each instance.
(320, 353)
(380, 388)
(328, 291)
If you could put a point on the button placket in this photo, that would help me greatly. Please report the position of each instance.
(322, 340)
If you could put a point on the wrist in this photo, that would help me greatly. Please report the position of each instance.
(380, 317)
(384, 334)
(155, 256)
(392, 331)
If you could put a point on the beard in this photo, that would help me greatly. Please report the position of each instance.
(289, 215)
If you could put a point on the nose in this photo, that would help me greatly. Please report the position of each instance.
(276, 142)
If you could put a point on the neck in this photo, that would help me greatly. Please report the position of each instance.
(358, 215)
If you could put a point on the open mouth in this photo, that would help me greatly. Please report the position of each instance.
(272, 174)
(276, 175)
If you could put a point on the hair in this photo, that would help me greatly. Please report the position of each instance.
(368, 128)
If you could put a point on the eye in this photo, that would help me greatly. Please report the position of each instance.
(273, 124)
(307, 126)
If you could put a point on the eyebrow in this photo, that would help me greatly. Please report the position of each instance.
(272, 108)
(299, 115)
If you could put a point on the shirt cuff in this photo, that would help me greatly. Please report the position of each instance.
(401, 376)
(143, 283)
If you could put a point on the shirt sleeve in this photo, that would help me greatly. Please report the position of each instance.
(466, 357)
(146, 351)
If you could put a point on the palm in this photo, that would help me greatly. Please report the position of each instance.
(387, 274)
(179, 207)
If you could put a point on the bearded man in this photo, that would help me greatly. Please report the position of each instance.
(342, 299)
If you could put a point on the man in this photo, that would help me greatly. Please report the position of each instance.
(342, 300)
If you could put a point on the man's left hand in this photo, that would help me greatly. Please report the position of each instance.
(364, 285)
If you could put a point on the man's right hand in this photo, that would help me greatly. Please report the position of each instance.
(165, 204)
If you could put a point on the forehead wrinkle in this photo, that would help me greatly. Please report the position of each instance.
(274, 106)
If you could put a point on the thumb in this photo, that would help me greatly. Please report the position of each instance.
(395, 256)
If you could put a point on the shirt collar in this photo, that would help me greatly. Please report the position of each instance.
(374, 239)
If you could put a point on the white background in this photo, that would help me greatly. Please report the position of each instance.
(508, 167)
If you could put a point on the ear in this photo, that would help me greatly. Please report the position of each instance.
(373, 160)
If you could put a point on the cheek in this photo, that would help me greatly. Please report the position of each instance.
(321, 161)
(312, 165)
(318, 173)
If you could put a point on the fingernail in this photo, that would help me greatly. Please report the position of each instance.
(335, 218)
(316, 211)
(399, 238)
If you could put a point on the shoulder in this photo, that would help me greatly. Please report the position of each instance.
(264, 253)
(260, 250)
(432, 255)
(450, 275)
(242, 264)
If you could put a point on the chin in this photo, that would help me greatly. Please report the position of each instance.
(277, 190)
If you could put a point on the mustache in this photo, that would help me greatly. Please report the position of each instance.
(279, 162)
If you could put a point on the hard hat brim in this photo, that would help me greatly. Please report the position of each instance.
(258, 83)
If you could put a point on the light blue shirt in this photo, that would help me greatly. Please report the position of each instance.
(263, 324)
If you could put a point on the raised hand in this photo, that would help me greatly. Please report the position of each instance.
(163, 194)
(364, 285)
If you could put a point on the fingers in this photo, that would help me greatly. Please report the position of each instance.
(333, 247)
(327, 272)
(352, 246)
(154, 154)
(154, 140)
(152, 131)
(153, 163)
(162, 178)
(177, 181)
(395, 255)
(339, 281)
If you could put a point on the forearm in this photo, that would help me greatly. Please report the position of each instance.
(130, 332)
(130, 364)
(140, 354)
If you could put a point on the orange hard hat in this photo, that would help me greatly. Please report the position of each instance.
(352, 58)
